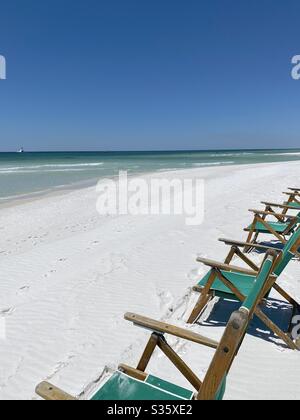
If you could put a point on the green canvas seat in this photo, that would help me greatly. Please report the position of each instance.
(294, 205)
(277, 226)
(241, 281)
(121, 387)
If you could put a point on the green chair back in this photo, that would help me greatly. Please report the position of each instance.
(287, 254)
(214, 383)
(258, 287)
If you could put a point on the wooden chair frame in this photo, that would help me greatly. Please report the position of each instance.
(294, 197)
(206, 294)
(260, 216)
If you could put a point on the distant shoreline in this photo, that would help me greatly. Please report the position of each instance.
(91, 183)
(24, 175)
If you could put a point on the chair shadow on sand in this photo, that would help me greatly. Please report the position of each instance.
(278, 311)
(270, 244)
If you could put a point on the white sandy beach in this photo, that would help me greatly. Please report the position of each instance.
(68, 275)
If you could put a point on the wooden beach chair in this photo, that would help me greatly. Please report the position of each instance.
(234, 282)
(271, 222)
(294, 189)
(135, 384)
(293, 200)
(282, 225)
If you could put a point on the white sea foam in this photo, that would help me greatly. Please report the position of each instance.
(36, 171)
(231, 154)
(46, 166)
(213, 163)
(49, 168)
(283, 154)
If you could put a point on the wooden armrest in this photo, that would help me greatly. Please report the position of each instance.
(134, 373)
(226, 267)
(270, 213)
(52, 393)
(234, 268)
(240, 244)
(164, 328)
(291, 193)
(282, 206)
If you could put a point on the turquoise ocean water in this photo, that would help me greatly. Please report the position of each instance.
(22, 174)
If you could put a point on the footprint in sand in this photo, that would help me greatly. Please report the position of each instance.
(182, 306)
(49, 273)
(22, 290)
(166, 300)
(6, 311)
(61, 365)
(114, 262)
(195, 274)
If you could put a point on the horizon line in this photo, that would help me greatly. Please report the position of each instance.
(149, 150)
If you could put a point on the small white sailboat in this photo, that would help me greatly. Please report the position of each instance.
(21, 150)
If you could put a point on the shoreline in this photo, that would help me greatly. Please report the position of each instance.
(91, 183)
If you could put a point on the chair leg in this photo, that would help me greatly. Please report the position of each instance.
(249, 241)
(258, 312)
(199, 307)
(206, 294)
(203, 300)
(179, 364)
(286, 296)
(148, 352)
(253, 241)
(273, 327)
(252, 236)
(255, 237)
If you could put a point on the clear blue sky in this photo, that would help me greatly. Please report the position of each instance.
(141, 74)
